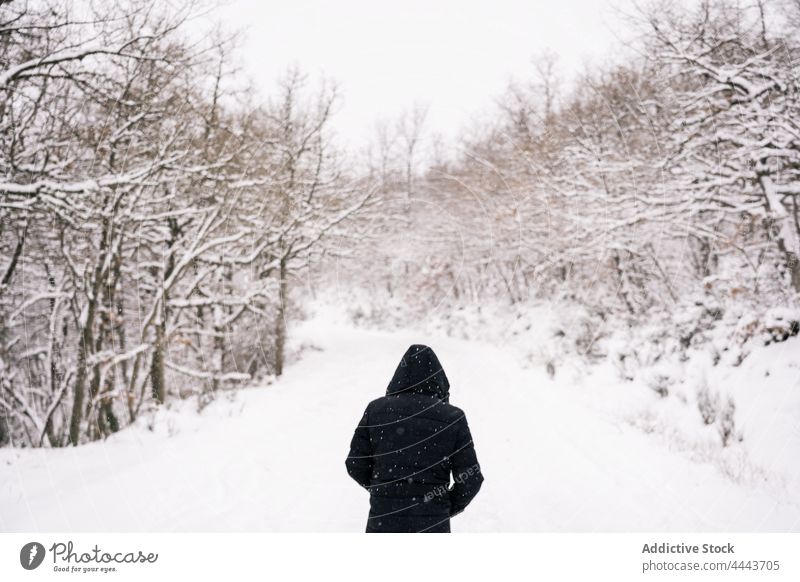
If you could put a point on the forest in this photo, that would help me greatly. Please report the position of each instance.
(162, 224)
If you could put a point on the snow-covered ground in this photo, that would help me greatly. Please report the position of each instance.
(577, 452)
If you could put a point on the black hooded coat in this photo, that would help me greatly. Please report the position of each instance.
(407, 445)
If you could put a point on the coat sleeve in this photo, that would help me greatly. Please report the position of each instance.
(467, 475)
(359, 461)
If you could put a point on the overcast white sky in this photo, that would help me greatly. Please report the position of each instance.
(454, 56)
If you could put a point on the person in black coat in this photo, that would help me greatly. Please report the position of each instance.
(406, 446)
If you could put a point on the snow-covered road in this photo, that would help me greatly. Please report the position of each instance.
(555, 456)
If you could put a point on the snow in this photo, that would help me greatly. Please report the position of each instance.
(576, 452)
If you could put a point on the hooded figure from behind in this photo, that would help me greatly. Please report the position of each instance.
(407, 445)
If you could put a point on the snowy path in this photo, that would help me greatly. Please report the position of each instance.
(272, 459)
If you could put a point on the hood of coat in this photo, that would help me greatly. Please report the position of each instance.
(420, 371)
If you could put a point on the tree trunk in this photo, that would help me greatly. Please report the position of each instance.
(157, 375)
(280, 323)
(86, 340)
(157, 364)
(787, 238)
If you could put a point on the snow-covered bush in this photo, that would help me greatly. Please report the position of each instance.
(707, 404)
(726, 424)
(781, 323)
